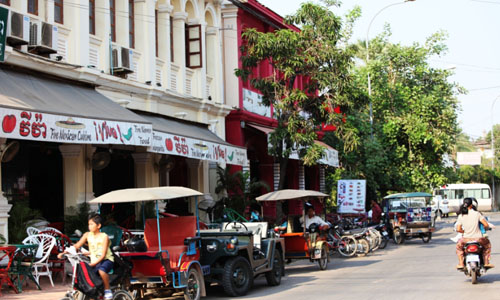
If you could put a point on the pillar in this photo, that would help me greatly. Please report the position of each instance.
(77, 175)
(302, 181)
(198, 179)
(180, 49)
(146, 175)
(4, 204)
(322, 186)
(230, 54)
(276, 177)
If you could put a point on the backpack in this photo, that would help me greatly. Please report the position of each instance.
(87, 280)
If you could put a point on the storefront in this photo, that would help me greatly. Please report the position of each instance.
(52, 131)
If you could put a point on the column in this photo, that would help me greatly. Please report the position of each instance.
(212, 63)
(146, 175)
(180, 49)
(164, 11)
(145, 40)
(78, 42)
(4, 204)
(231, 54)
(198, 178)
(77, 174)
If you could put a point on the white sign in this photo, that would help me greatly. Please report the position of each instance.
(469, 158)
(166, 143)
(351, 196)
(37, 126)
(252, 102)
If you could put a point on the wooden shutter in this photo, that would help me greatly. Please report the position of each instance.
(193, 46)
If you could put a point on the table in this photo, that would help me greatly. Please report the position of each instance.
(22, 263)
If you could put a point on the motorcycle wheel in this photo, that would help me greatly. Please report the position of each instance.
(384, 243)
(363, 247)
(323, 261)
(398, 236)
(348, 246)
(474, 276)
(122, 295)
(427, 237)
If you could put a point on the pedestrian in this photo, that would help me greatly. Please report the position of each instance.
(376, 213)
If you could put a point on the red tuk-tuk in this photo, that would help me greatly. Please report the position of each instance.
(170, 260)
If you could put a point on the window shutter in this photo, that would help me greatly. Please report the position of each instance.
(193, 46)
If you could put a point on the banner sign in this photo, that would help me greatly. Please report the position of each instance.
(37, 126)
(351, 196)
(166, 143)
(4, 17)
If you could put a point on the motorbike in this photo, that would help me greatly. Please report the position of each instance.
(473, 259)
(382, 229)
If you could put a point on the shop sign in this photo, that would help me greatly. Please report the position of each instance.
(4, 16)
(29, 125)
(252, 102)
(166, 143)
(351, 196)
(330, 156)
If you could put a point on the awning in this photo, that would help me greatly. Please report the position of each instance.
(330, 157)
(192, 140)
(42, 109)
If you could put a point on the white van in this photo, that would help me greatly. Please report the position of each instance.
(440, 206)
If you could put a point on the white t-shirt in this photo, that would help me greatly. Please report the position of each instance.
(312, 220)
(470, 224)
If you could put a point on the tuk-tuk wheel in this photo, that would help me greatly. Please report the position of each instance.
(192, 291)
(427, 237)
(399, 237)
(323, 261)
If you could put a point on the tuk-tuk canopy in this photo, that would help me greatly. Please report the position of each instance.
(146, 194)
(407, 195)
(290, 195)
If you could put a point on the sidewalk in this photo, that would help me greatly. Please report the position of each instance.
(32, 293)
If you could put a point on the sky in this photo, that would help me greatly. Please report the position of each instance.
(473, 43)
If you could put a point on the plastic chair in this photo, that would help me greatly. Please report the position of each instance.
(32, 231)
(52, 229)
(62, 242)
(41, 265)
(7, 252)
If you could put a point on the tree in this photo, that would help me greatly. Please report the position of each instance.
(415, 118)
(317, 55)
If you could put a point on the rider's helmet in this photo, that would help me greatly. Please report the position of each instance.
(136, 244)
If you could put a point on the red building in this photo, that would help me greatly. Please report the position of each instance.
(249, 124)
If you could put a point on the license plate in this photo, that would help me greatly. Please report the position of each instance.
(317, 253)
(472, 258)
(385, 233)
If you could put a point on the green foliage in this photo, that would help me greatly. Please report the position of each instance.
(77, 218)
(237, 190)
(319, 53)
(464, 143)
(415, 118)
(21, 217)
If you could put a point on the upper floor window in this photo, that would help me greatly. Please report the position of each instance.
(156, 32)
(171, 39)
(92, 16)
(193, 46)
(112, 18)
(131, 25)
(33, 7)
(6, 2)
(58, 11)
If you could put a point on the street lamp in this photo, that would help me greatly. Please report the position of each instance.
(368, 59)
(493, 155)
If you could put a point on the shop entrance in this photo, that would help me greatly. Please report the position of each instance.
(35, 177)
(117, 174)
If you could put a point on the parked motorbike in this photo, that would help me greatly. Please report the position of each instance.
(473, 261)
(382, 229)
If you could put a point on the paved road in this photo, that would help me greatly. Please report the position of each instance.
(410, 271)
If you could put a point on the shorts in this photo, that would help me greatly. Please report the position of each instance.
(105, 266)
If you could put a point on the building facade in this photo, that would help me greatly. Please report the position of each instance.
(249, 123)
(101, 95)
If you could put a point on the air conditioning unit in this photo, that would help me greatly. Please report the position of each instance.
(18, 29)
(43, 38)
(122, 60)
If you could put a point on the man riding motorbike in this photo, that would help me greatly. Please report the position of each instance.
(468, 224)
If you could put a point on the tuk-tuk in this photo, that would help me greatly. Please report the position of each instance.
(409, 215)
(168, 258)
(308, 243)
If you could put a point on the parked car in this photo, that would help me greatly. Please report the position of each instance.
(238, 252)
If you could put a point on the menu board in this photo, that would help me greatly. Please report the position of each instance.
(351, 196)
